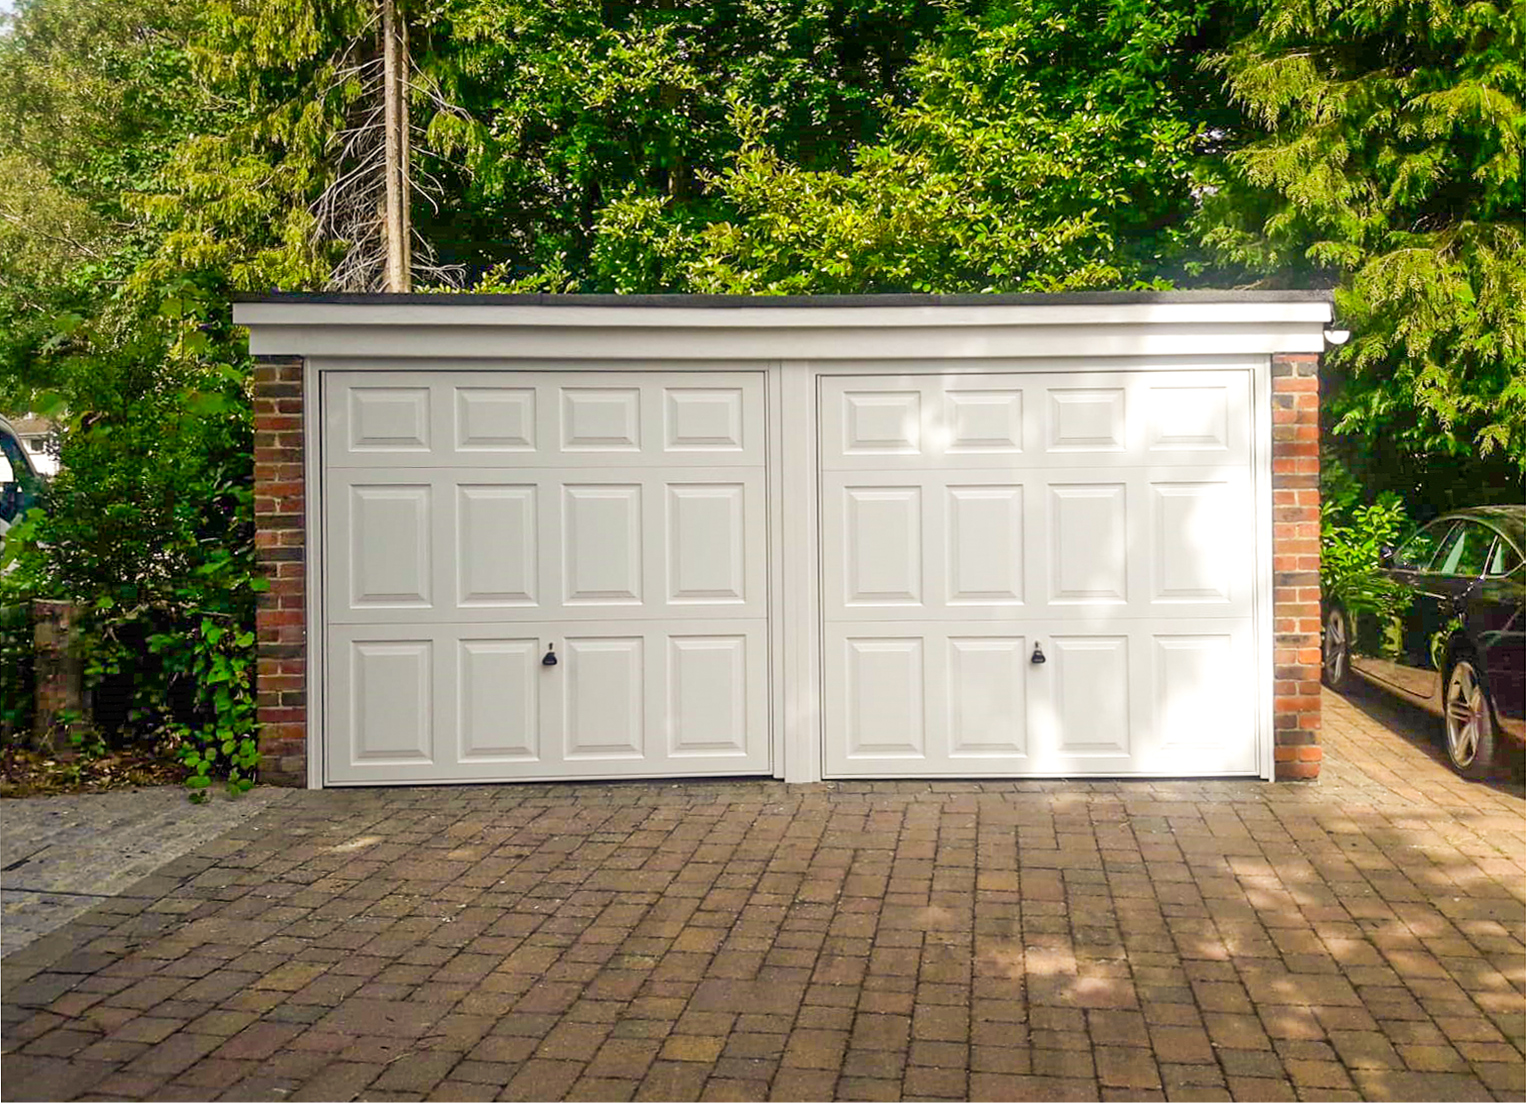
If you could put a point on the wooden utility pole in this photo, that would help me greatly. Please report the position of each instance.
(395, 99)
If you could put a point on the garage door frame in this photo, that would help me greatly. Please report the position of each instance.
(795, 342)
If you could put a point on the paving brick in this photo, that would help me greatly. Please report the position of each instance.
(420, 1072)
(1365, 1049)
(942, 1083)
(691, 1047)
(1127, 1067)
(815, 1049)
(540, 1079)
(867, 1088)
(462, 1090)
(1398, 1085)
(258, 1041)
(623, 1058)
(795, 1084)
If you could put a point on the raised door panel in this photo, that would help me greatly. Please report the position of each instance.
(880, 704)
(987, 699)
(498, 700)
(705, 419)
(881, 423)
(497, 545)
(1201, 699)
(706, 544)
(604, 693)
(985, 423)
(388, 419)
(600, 419)
(388, 550)
(1087, 419)
(1090, 678)
(1196, 550)
(881, 540)
(708, 700)
(496, 419)
(1088, 543)
(601, 544)
(1196, 418)
(985, 558)
(391, 702)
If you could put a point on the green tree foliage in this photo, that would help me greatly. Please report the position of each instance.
(147, 527)
(288, 193)
(1390, 165)
(581, 102)
(1044, 145)
(94, 98)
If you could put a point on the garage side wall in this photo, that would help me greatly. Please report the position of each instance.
(280, 549)
(1295, 564)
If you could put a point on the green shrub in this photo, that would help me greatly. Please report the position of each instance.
(1351, 541)
(148, 530)
(17, 672)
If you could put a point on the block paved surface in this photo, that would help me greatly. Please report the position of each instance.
(1362, 937)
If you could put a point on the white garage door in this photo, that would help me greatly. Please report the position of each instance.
(1104, 518)
(475, 521)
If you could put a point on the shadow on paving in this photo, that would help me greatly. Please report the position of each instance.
(1364, 938)
(1424, 732)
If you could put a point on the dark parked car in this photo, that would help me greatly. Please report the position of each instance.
(19, 481)
(1453, 639)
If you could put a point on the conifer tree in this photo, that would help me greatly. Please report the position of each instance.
(1390, 166)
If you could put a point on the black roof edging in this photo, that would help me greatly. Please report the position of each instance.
(1070, 298)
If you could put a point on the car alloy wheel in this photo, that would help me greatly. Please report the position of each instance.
(1337, 650)
(1469, 723)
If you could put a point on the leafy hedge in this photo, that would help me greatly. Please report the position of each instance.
(17, 672)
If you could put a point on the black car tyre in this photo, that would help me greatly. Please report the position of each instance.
(1336, 665)
(1469, 720)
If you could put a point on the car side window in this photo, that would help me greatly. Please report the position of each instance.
(1465, 552)
(1419, 549)
(14, 465)
(1505, 558)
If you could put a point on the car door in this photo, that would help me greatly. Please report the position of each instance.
(1436, 611)
(1378, 645)
(1496, 623)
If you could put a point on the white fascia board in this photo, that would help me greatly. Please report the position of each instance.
(662, 336)
(468, 314)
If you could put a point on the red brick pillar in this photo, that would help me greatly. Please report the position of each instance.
(280, 545)
(1295, 564)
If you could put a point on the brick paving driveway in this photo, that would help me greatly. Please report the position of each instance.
(1362, 937)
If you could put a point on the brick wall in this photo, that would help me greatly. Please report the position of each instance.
(280, 547)
(1295, 564)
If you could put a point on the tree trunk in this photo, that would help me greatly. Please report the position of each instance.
(394, 85)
